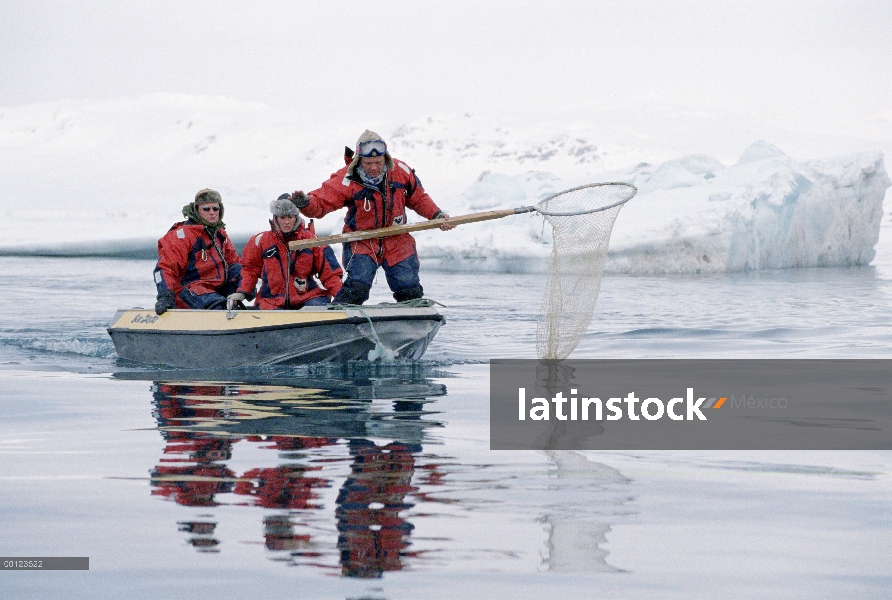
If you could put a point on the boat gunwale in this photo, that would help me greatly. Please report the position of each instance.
(435, 316)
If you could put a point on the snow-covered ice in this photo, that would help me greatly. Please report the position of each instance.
(695, 215)
(767, 211)
(109, 177)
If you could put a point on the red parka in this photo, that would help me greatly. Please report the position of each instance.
(368, 208)
(288, 278)
(189, 258)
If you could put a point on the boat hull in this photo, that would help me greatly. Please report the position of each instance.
(221, 339)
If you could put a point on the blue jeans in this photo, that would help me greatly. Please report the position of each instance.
(211, 301)
(402, 278)
(317, 301)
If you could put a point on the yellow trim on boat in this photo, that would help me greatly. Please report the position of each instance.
(216, 320)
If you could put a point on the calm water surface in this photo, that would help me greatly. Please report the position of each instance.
(366, 481)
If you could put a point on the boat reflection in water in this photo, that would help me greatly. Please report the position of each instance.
(360, 437)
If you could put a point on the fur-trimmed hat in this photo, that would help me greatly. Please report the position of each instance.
(283, 207)
(207, 196)
(366, 146)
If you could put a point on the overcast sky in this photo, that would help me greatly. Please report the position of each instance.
(817, 65)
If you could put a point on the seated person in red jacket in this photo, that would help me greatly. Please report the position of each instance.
(376, 191)
(288, 279)
(198, 266)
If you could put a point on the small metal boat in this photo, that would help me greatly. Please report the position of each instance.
(223, 339)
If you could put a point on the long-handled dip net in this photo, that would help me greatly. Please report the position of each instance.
(581, 219)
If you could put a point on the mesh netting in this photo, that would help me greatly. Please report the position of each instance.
(581, 220)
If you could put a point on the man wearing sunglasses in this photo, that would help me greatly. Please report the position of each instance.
(198, 266)
(376, 190)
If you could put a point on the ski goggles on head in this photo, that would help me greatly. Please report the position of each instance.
(372, 148)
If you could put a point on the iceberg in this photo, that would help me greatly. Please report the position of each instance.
(108, 178)
(693, 215)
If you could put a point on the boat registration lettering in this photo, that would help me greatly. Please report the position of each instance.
(145, 319)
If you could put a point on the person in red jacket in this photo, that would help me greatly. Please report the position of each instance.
(289, 279)
(376, 190)
(198, 266)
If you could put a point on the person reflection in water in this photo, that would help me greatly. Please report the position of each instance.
(371, 533)
(284, 487)
(202, 535)
(192, 472)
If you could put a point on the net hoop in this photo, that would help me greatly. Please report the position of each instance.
(619, 193)
(581, 220)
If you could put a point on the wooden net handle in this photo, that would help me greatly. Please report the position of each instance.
(356, 236)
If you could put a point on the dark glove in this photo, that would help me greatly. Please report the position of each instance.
(166, 301)
(299, 199)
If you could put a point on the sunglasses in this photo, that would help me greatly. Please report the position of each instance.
(372, 148)
(209, 209)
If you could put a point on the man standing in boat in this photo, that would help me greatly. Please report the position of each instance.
(198, 266)
(376, 190)
(289, 279)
